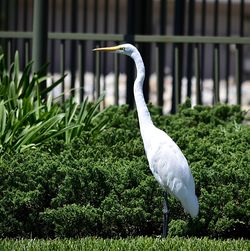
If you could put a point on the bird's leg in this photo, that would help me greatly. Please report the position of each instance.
(165, 215)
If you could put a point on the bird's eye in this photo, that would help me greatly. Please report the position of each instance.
(123, 49)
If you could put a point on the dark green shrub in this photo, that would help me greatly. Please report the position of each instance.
(102, 185)
(72, 220)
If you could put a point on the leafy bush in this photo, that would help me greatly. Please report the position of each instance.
(102, 185)
(27, 119)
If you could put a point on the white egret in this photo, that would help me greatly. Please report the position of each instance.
(166, 161)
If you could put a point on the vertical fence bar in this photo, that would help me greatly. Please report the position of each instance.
(52, 42)
(157, 70)
(40, 29)
(62, 66)
(63, 16)
(160, 49)
(143, 24)
(117, 15)
(105, 56)
(74, 16)
(6, 28)
(242, 16)
(216, 54)
(25, 28)
(117, 58)
(129, 37)
(13, 23)
(2, 22)
(62, 48)
(203, 33)
(25, 15)
(83, 51)
(9, 46)
(238, 78)
(82, 48)
(228, 58)
(6, 14)
(190, 47)
(95, 16)
(81, 67)
(239, 55)
(160, 73)
(2, 16)
(179, 21)
(95, 44)
(97, 74)
(197, 73)
(216, 17)
(85, 16)
(81, 70)
(176, 84)
(26, 51)
(16, 18)
(116, 66)
(25, 7)
(216, 75)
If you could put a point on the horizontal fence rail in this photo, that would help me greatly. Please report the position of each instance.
(196, 41)
(137, 38)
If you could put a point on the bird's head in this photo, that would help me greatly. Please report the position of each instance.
(125, 49)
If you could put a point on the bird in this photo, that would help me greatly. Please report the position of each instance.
(166, 161)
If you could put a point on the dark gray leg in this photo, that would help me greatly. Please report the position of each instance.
(165, 215)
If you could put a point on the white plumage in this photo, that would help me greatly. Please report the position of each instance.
(167, 163)
(170, 168)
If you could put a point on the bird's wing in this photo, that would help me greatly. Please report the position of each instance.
(171, 170)
(167, 161)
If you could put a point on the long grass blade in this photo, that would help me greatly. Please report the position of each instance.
(2, 118)
(31, 134)
(16, 69)
(51, 87)
(24, 81)
(93, 109)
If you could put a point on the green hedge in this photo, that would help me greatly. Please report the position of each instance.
(102, 185)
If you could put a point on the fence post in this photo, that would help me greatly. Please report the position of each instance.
(40, 35)
(3, 21)
(129, 38)
(161, 55)
(143, 24)
(179, 24)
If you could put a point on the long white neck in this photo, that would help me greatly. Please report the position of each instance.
(143, 113)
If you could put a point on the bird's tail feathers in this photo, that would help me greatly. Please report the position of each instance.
(188, 200)
(191, 205)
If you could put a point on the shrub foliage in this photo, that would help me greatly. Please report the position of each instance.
(102, 185)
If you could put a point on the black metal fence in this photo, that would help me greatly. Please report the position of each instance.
(184, 42)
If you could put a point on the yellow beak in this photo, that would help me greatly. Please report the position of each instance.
(113, 48)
